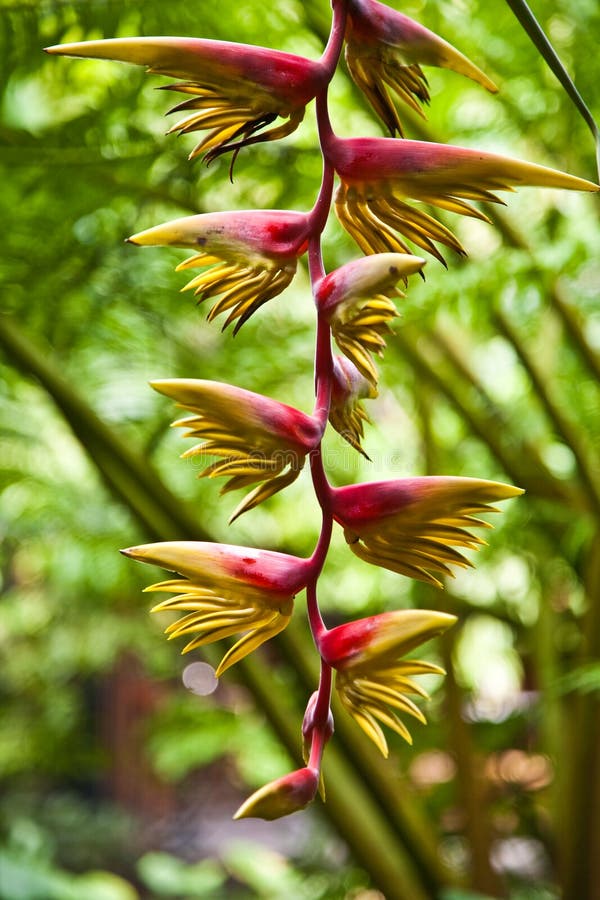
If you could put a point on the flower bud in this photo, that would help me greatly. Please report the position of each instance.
(346, 413)
(281, 797)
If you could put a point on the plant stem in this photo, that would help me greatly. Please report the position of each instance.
(331, 54)
(322, 727)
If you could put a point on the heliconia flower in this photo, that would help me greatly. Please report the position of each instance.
(247, 257)
(285, 795)
(225, 590)
(414, 525)
(385, 49)
(370, 674)
(257, 439)
(356, 300)
(346, 412)
(378, 175)
(234, 90)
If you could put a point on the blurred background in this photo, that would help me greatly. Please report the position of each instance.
(118, 782)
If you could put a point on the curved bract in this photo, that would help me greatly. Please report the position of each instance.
(234, 90)
(225, 590)
(385, 51)
(372, 680)
(247, 257)
(414, 525)
(257, 439)
(356, 300)
(378, 175)
(285, 795)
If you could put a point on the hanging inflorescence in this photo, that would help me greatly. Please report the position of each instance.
(237, 95)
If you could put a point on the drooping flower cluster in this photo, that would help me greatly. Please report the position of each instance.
(417, 527)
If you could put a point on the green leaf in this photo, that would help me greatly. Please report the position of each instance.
(523, 12)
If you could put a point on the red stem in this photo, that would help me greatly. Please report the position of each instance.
(321, 731)
(331, 55)
(317, 560)
(323, 372)
(321, 725)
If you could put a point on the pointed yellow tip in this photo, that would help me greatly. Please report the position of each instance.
(158, 384)
(223, 666)
(129, 551)
(151, 237)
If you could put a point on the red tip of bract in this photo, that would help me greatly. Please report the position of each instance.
(282, 797)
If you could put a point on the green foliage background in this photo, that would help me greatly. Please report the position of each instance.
(494, 372)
